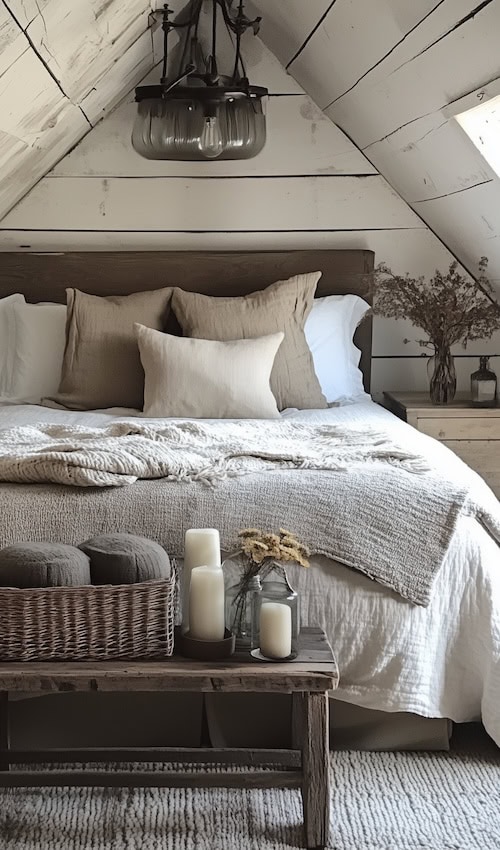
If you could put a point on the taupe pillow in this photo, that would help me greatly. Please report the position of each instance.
(206, 379)
(101, 366)
(43, 565)
(125, 559)
(283, 306)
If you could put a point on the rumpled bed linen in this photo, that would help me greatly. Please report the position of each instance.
(437, 661)
(357, 495)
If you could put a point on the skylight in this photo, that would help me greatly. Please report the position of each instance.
(482, 125)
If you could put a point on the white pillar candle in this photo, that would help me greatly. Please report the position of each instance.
(201, 548)
(206, 603)
(275, 630)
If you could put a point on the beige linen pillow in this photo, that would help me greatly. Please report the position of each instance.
(283, 306)
(205, 379)
(101, 366)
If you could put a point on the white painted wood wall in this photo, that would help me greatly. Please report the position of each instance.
(310, 187)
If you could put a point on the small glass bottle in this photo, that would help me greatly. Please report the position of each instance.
(276, 622)
(239, 606)
(483, 385)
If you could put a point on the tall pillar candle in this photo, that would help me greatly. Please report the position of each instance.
(201, 548)
(275, 630)
(206, 603)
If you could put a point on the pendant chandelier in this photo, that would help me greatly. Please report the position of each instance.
(197, 113)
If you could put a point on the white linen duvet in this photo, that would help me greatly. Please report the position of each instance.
(439, 661)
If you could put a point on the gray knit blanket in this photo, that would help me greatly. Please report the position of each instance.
(358, 497)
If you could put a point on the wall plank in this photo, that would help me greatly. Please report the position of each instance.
(13, 42)
(300, 140)
(127, 72)
(360, 41)
(285, 26)
(79, 42)
(470, 217)
(34, 130)
(423, 74)
(403, 250)
(420, 163)
(151, 203)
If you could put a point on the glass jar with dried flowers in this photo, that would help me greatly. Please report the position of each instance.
(259, 553)
(451, 308)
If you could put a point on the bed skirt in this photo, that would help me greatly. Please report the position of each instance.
(184, 720)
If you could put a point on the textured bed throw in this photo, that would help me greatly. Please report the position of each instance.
(357, 497)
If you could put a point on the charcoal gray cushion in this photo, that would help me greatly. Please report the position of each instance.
(43, 565)
(125, 559)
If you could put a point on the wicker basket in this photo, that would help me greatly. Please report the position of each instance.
(87, 623)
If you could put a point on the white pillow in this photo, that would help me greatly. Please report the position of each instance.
(207, 379)
(329, 331)
(7, 342)
(40, 341)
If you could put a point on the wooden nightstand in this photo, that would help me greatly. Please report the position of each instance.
(472, 433)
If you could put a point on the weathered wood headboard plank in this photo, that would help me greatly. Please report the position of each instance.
(45, 277)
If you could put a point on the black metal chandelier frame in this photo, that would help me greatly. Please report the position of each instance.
(212, 88)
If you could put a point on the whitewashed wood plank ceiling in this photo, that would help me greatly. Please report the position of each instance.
(392, 75)
(62, 65)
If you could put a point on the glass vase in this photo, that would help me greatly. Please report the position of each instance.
(276, 621)
(239, 606)
(443, 378)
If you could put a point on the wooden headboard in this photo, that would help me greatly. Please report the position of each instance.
(44, 277)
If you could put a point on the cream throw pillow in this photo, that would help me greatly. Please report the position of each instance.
(283, 306)
(101, 366)
(205, 379)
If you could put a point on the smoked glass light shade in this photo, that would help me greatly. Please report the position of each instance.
(187, 128)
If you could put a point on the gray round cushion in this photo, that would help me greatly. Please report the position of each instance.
(125, 559)
(43, 565)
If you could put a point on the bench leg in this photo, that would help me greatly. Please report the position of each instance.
(316, 785)
(4, 731)
(297, 719)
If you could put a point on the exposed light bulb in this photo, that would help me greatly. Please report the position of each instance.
(211, 144)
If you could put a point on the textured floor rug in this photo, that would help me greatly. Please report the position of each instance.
(380, 801)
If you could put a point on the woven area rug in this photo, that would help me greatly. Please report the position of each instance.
(380, 801)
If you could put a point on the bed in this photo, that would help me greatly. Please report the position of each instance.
(439, 661)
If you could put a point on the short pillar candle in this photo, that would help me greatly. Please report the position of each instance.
(275, 630)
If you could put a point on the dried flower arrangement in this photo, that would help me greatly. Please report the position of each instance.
(450, 308)
(262, 547)
(259, 553)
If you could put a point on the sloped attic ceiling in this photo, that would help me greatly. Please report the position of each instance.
(63, 64)
(391, 74)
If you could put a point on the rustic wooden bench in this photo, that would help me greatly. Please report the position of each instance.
(308, 678)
